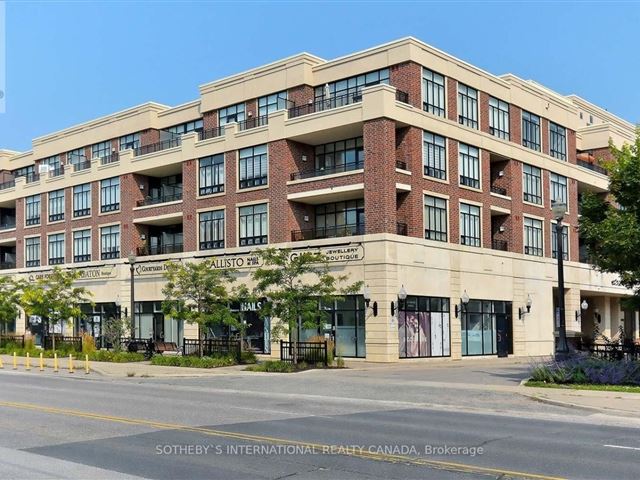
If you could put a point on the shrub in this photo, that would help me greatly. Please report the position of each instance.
(582, 369)
(115, 357)
(340, 362)
(248, 357)
(88, 343)
(193, 361)
(273, 366)
(29, 343)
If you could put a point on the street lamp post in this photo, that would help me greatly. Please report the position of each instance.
(132, 262)
(559, 209)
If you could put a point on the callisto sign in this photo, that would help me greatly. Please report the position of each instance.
(98, 273)
(234, 262)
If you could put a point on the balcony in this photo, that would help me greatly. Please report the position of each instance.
(325, 104)
(592, 167)
(56, 172)
(7, 184)
(499, 190)
(7, 226)
(157, 147)
(327, 232)
(346, 167)
(253, 122)
(499, 245)
(80, 166)
(7, 265)
(158, 200)
(402, 229)
(164, 249)
(211, 133)
(113, 158)
(402, 97)
(401, 165)
(32, 177)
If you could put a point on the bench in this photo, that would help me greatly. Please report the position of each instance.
(165, 347)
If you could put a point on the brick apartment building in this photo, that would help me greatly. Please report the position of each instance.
(412, 170)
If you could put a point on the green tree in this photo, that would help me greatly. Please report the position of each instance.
(10, 293)
(294, 284)
(197, 293)
(55, 298)
(610, 224)
(114, 329)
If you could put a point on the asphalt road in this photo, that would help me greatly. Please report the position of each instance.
(383, 423)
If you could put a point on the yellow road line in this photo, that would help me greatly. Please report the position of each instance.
(452, 466)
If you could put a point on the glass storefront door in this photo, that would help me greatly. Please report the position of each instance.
(424, 327)
(485, 325)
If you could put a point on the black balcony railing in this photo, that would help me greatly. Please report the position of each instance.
(7, 265)
(499, 190)
(327, 232)
(592, 166)
(56, 261)
(211, 133)
(164, 249)
(113, 158)
(110, 255)
(401, 165)
(253, 122)
(81, 258)
(7, 226)
(83, 165)
(7, 184)
(32, 177)
(157, 147)
(174, 197)
(325, 104)
(499, 245)
(402, 96)
(345, 167)
(402, 229)
(32, 263)
(56, 172)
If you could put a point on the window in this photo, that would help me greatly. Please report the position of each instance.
(499, 118)
(212, 230)
(467, 106)
(423, 327)
(532, 184)
(433, 92)
(339, 219)
(253, 166)
(434, 155)
(253, 225)
(56, 249)
(110, 242)
(469, 225)
(554, 241)
(479, 327)
(435, 218)
(53, 162)
(532, 237)
(530, 130)
(469, 165)
(130, 142)
(272, 103)
(32, 252)
(110, 194)
(211, 174)
(102, 149)
(340, 156)
(24, 171)
(82, 200)
(352, 87)
(558, 141)
(558, 188)
(184, 128)
(82, 246)
(32, 210)
(56, 205)
(234, 113)
(76, 156)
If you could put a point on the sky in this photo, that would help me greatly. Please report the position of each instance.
(70, 62)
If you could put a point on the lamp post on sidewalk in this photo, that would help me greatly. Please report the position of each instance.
(559, 209)
(132, 263)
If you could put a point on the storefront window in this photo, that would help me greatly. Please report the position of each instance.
(486, 323)
(424, 327)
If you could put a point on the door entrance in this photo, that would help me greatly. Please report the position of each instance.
(503, 337)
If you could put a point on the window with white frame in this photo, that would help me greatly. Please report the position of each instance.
(110, 195)
(130, 142)
(435, 218)
(32, 210)
(56, 249)
(498, 118)
(82, 200)
(469, 165)
(467, 106)
(82, 246)
(531, 130)
(558, 188)
(253, 225)
(554, 241)
(187, 127)
(110, 242)
(272, 103)
(212, 230)
(433, 93)
(56, 205)
(32, 252)
(434, 155)
(531, 184)
(558, 141)
(470, 225)
(533, 237)
(253, 166)
(211, 174)
(76, 156)
(348, 89)
(230, 114)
